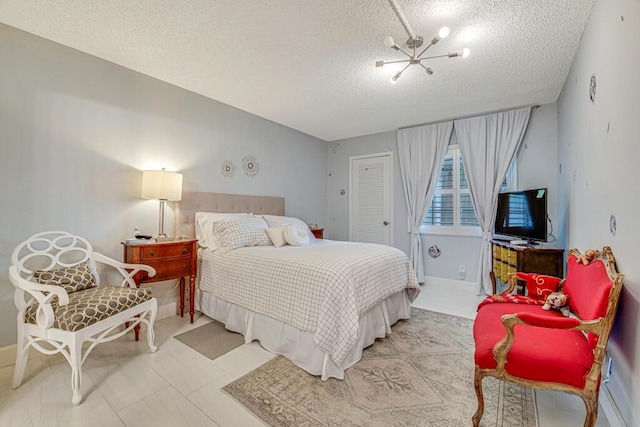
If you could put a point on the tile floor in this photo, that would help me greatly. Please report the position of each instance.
(125, 385)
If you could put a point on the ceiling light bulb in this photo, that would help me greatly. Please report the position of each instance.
(444, 32)
(388, 41)
(379, 63)
(429, 71)
(395, 77)
(465, 52)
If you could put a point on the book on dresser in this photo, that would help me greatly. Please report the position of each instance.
(139, 241)
(509, 258)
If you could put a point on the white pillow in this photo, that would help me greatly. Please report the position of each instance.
(296, 235)
(204, 225)
(240, 233)
(285, 221)
(276, 235)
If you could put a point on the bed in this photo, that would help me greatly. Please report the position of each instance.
(319, 305)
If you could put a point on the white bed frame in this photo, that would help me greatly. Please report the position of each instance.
(278, 337)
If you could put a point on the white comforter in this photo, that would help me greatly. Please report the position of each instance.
(322, 288)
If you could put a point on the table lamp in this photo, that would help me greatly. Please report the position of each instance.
(161, 185)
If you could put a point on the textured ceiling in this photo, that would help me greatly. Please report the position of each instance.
(310, 64)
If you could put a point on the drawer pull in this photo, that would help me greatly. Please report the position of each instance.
(184, 265)
(152, 253)
(184, 251)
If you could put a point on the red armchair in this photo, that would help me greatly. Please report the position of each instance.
(519, 342)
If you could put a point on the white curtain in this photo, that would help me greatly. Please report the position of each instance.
(488, 144)
(421, 151)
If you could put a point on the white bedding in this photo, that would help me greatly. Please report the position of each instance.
(323, 288)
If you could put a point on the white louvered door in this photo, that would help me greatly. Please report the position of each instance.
(370, 199)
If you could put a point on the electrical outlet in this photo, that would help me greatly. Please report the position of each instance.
(462, 272)
(607, 368)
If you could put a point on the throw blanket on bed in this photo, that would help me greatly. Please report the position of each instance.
(321, 288)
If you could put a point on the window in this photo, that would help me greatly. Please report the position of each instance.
(451, 210)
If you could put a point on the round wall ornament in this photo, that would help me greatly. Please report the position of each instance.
(434, 251)
(250, 166)
(227, 169)
(613, 225)
(592, 88)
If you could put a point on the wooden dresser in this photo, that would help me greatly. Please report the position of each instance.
(509, 258)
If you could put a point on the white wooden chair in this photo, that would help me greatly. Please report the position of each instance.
(61, 304)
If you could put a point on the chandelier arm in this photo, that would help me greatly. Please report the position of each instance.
(436, 56)
(395, 62)
(408, 65)
(422, 65)
(403, 19)
(400, 49)
(424, 50)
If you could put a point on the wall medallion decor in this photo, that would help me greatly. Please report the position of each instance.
(434, 251)
(250, 166)
(334, 147)
(612, 225)
(227, 169)
(592, 88)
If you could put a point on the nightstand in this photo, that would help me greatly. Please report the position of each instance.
(318, 233)
(172, 259)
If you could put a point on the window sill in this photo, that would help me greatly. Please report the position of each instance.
(465, 234)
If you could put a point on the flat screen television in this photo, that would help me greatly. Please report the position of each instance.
(523, 215)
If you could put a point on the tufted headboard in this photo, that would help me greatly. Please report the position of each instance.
(193, 202)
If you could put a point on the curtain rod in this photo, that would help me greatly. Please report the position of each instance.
(533, 108)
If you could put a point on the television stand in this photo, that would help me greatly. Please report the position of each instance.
(523, 242)
(509, 258)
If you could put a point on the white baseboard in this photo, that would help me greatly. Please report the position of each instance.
(167, 310)
(610, 409)
(462, 285)
(8, 353)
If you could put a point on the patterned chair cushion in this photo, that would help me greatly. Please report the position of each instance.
(72, 279)
(91, 305)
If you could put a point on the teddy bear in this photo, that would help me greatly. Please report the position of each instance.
(558, 301)
(588, 256)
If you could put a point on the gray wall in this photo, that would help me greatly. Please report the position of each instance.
(75, 131)
(537, 167)
(599, 152)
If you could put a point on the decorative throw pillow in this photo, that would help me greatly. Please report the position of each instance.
(241, 232)
(277, 236)
(297, 235)
(204, 225)
(285, 221)
(72, 279)
(539, 286)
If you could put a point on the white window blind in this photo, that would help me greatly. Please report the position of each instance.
(451, 210)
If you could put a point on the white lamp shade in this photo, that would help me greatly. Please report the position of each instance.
(161, 185)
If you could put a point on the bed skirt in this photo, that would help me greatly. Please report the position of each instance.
(299, 346)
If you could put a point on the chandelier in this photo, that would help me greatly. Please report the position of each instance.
(414, 43)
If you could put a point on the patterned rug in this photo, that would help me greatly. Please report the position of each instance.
(420, 375)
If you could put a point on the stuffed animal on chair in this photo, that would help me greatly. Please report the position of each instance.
(588, 256)
(558, 301)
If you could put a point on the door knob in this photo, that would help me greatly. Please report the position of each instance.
(385, 223)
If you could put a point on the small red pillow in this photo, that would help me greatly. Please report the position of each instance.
(539, 286)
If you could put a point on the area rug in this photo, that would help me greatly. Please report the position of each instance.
(211, 340)
(420, 375)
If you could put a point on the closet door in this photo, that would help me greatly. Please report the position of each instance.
(370, 199)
